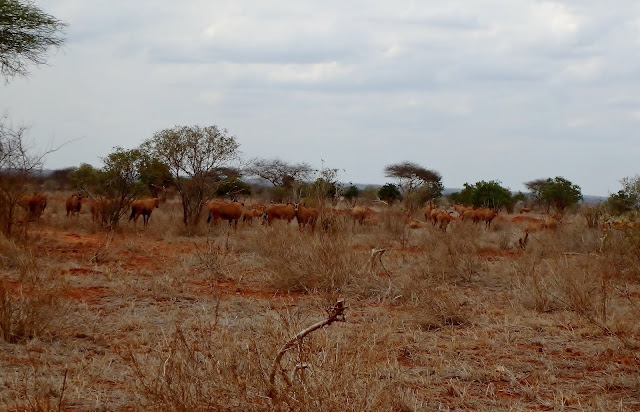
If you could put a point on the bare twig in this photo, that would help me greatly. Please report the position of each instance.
(64, 387)
(378, 200)
(335, 314)
(107, 242)
(376, 256)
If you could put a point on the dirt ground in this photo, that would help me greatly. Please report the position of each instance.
(163, 319)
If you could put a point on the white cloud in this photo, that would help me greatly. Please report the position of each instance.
(495, 83)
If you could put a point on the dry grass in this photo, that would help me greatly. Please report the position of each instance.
(172, 319)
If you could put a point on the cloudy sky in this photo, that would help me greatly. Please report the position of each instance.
(509, 90)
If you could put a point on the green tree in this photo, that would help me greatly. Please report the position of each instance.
(621, 202)
(535, 190)
(233, 187)
(389, 193)
(193, 154)
(84, 178)
(117, 184)
(154, 174)
(120, 175)
(114, 186)
(631, 188)
(560, 193)
(26, 34)
(485, 194)
(352, 194)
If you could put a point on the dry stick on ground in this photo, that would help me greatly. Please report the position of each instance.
(335, 314)
(524, 240)
(64, 387)
(376, 256)
(107, 242)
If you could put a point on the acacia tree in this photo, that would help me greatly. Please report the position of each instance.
(535, 188)
(26, 33)
(193, 154)
(279, 172)
(412, 177)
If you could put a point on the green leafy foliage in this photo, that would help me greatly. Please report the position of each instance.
(556, 192)
(389, 193)
(26, 33)
(193, 154)
(560, 193)
(485, 194)
(621, 202)
(154, 174)
(233, 187)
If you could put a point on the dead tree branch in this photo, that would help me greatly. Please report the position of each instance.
(376, 256)
(334, 314)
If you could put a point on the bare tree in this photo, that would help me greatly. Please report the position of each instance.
(26, 33)
(193, 155)
(279, 172)
(18, 163)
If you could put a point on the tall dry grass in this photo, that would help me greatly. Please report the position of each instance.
(210, 366)
(170, 319)
(304, 262)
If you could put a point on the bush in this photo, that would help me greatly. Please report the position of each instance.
(485, 194)
(389, 193)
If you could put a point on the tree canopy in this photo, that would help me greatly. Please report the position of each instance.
(389, 193)
(26, 34)
(193, 155)
(279, 172)
(486, 194)
(631, 189)
(415, 178)
(556, 192)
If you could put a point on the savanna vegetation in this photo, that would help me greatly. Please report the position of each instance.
(100, 314)
(390, 298)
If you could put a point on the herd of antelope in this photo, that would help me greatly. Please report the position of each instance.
(233, 212)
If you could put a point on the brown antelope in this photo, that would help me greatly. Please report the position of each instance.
(280, 212)
(306, 215)
(360, 214)
(33, 204)
(74, 204)
(143, 207)
(231, 212)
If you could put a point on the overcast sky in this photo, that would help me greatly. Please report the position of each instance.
(509, 90)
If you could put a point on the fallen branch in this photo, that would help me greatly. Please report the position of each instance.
(335, 314)
(376, 256)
